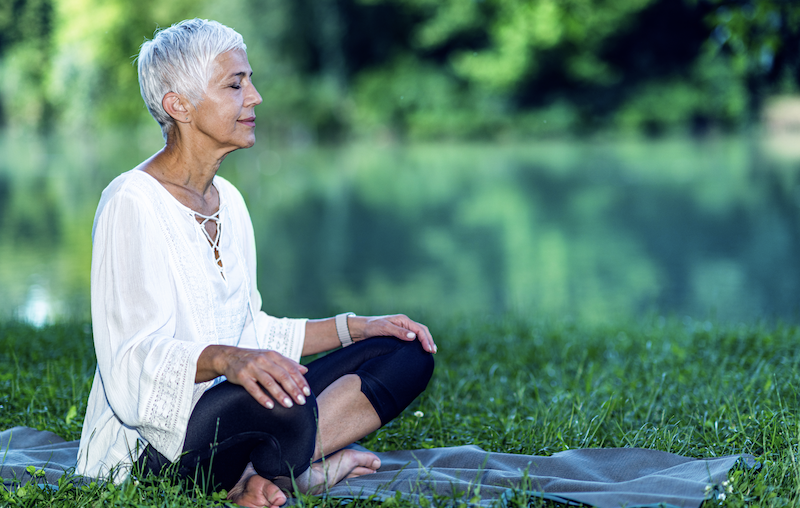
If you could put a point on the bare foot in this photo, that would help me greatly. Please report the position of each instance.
(255, 491)
(331, 470)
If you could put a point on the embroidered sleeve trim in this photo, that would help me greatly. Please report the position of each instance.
(169, 406)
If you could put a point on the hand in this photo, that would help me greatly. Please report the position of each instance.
(398, 325)
(257, 370)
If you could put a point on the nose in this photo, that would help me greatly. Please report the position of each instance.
(253, 98)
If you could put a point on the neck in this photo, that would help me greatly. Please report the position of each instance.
(187, 173)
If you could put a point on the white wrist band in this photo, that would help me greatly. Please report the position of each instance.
(342, 329)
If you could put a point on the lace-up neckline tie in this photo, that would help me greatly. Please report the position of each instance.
(214, 242)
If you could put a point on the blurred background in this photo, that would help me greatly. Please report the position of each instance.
(592, 159)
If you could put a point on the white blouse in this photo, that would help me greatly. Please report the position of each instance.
(158, 299)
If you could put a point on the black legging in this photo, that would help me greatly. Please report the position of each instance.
(228, 428)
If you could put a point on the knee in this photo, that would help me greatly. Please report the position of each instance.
(419, 362)
(292, 436)
(236, 403)
(396, 381)
(300, 418)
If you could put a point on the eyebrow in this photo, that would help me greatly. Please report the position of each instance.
(240, 73)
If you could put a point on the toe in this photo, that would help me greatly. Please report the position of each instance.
(360, 471)
(273, 494)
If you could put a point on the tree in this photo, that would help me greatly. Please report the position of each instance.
(762, 39)
(25, 44)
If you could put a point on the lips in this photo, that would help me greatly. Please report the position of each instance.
(251, 121)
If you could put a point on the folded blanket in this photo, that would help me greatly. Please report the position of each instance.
(21, 447)
(603, 477)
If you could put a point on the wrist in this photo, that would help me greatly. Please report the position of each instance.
(211, 363)
(357, 324)
(220, 359)
(343, 328)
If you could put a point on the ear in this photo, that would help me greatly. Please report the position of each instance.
(176, 106)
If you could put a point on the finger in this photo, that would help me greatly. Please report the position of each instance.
(275, 389)
(300, 379)
(422, 333)
(265, 373)
(255, 390)
(382, 326)
(425, 333)
(294, 382)
(401, 332)
(295, 385)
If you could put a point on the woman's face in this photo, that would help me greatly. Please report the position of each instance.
(225, 118)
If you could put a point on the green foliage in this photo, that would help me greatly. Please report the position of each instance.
(410, 97)
(27, 20)
(761, 37)
(25, 56)
(711, 94)
(521, 32)
(422, 69)
(93, 79)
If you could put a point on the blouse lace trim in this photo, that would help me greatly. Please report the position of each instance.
(214, 242)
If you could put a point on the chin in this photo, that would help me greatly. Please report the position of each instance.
(247, 143)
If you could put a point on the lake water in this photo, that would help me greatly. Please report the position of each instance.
(591, 229)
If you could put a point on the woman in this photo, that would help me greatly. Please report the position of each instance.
(191, 374)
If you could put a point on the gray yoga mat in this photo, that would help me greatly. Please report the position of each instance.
(603, 477)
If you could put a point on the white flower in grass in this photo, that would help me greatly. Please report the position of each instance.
(708, 490)
(721, 496)
(419, 414)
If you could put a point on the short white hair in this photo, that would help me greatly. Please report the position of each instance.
(180, 59)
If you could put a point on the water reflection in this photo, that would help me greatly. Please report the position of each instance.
(593, 230)
(38, 308)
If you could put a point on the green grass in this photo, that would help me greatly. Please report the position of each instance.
(506, 384)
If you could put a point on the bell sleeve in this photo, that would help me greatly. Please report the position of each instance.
(147, 371)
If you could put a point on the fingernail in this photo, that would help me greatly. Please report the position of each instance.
(287, 402)
(435, 349)
(411, 335)
(269, 404)
(301, 400)
(307, 391)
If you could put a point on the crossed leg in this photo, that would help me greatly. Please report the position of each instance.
(359, 389)
(345, 416)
